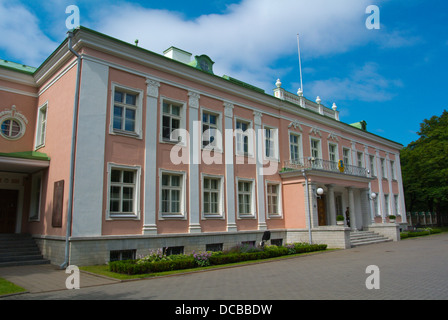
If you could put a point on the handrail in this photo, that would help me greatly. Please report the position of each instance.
(324, 165)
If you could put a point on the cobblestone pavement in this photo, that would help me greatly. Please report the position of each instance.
(413, 269)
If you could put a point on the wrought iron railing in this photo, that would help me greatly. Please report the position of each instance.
(311, 163)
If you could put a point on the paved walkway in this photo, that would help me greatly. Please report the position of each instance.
(410, 269)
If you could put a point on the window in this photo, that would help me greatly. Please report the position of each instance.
(375, 207)
(383, 169)
(332, 151)
(294, 148)
(242, 137)
(397, 211)
(271, 142)
(125, 112)
(315, 148)
(123, 191)
(36, 190)
(372, 165)
(213, 247)
(211, 134)
(118, 255)
(392, 170)
(41, 126)
(171, 120)
(346, 156)
(386, 201)
(359, 156)
(172, 194)
(273, 199)
(245, 198)
(11, 129)
(211, 193)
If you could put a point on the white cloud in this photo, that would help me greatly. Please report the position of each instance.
(21, 36)
(246, 41)
(363, 84)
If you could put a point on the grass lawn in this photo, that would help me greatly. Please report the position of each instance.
(7, 287)
(104, 269)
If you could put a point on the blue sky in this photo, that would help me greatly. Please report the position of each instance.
(392, 77)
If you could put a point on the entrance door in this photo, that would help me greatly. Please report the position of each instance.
(8, 210)
(321, 211)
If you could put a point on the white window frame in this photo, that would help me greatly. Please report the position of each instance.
(279, 213)
(392, 170)
(135, 215)
(41, 125)
(360, 159)
(346, 157)
(217, 143)
(299, 145)
(252, 214)
(272, 138)
(183, 186)
(220, 213)
(319, 148)
(249, 133)
(36, 190)
(383, 168)
(372, 165)
(138, 131)
(177, 137)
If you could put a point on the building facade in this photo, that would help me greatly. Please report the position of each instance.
(108, 150)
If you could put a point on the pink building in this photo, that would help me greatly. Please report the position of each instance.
(107, 150)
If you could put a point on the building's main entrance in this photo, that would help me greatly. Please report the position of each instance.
(8, 210)
(321, 211)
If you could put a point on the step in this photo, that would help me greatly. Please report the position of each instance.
(19, 250)
(358, 238)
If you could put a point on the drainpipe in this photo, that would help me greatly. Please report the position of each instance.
(72, 159)
(308, 209)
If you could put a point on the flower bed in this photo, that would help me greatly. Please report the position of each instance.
(157, 261)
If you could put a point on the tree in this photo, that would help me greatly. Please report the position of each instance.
(425, 167)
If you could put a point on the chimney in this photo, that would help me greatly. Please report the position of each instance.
(177, 54)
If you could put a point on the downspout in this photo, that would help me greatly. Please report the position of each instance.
(73, 151)
(308, 209)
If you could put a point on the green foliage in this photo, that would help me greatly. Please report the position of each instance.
(424, 166)
(157, 262)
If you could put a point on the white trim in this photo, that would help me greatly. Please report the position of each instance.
(279, 214)
(136, 196)
(183, 120)
(138, 132)
(335, 144)
(219, 145)
(275, 139)
(21, 92)
(40, 144)
(183, 196)
(253, 212)
(221, 212)
(250, 133)
(300, 141)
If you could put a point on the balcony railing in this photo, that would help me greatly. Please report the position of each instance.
(311, 163)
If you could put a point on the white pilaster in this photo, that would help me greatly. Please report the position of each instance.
(150, 179)
(230, 178)
(351, 205)
(259, 139)
(194, 151)
(402, 205)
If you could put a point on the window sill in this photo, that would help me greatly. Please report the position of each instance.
(126, 134)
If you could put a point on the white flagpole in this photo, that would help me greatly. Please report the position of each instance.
(300, 64)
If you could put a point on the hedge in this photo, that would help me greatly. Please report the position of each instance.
(419, 233)
(133, 267)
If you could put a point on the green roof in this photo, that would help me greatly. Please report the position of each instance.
(30, 155)
(17, 67)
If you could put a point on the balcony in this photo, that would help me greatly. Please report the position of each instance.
(316, 164)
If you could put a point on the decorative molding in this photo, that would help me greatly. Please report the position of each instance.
(315, 131)
(333, 136)
(228, 109)
(295, 124)
(257, 118)
(152, 88)
(193, 101)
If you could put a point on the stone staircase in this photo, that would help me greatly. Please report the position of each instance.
(19, 250)
(359, 238)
